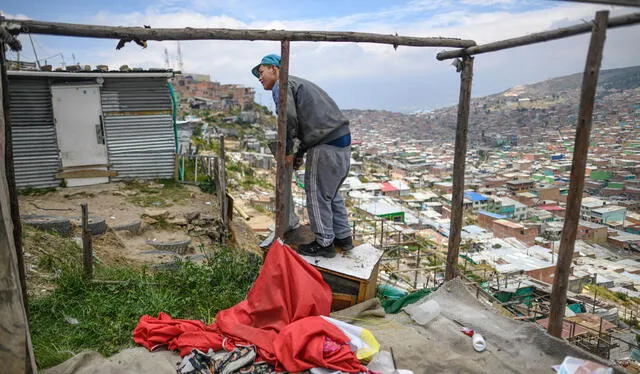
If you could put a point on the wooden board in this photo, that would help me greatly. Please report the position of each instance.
(88, 173)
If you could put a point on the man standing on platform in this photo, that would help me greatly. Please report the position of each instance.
(323, 133)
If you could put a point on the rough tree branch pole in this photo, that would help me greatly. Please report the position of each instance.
(576, 186)
(626, 20)
(188, 33)
(459, 159)
(282, 138)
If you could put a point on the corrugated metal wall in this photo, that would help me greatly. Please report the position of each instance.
(138, 127)
(33, 133)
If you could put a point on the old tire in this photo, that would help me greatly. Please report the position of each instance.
(133, 227)
(96, 225)
(179, 247)
(61, 225)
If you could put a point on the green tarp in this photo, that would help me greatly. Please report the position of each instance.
(394, 306)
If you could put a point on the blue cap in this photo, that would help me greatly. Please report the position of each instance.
(271, 59)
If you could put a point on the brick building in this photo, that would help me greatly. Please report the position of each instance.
(507, 229)
(224, 96)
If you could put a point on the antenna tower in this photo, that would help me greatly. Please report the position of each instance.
(167, 64)
(180, 64)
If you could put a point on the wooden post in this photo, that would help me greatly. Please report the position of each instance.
(183, 171)
(16, 351)
(229, 209)
(415, 278)
(574, 199)
(382, 234)
(87, 250)
(11, 180)
(176, 163)
(224, 206)
(195, 170)
(595, 299)
(460, 155)
(282, 138)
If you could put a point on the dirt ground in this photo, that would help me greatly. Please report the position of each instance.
(120, 204)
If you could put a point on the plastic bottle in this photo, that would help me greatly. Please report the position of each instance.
(478, 342)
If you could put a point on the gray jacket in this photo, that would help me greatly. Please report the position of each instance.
(312, 116)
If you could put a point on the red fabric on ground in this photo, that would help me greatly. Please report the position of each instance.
(153, 332)
(288, 289)
(300, 346)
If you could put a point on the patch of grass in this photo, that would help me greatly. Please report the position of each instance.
(149, 201)
(151, 195)
(46, 255)
(616, 297)
(106, 314)
(32, 191)
(250, 181)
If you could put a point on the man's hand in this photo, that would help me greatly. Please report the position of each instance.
(288, 160)
(298, 161)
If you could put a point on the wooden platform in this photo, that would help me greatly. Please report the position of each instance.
(352, 275)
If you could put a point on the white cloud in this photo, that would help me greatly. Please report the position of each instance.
(371, 75)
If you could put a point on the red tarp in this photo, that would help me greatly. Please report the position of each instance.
(288, 289)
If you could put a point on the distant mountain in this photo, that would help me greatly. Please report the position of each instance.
(619, 79)
(523, 111)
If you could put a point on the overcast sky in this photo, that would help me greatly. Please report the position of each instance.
(362, 76)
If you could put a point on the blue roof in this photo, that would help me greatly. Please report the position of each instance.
(492, 215)
(474, 196)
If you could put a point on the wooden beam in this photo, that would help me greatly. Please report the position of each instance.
(459, 159)
(576, 186)
(16, 351)
(625, 20)
(88, 173)
(283, 86)
(188, 33)
(90, 166)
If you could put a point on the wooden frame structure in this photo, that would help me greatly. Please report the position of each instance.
(16, 351)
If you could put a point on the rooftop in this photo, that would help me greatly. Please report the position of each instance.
(474, 196)
(510, 224)
(492, 215)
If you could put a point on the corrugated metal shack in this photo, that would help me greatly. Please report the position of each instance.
(58, 134)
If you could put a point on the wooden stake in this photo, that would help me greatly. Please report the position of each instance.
(87, 249)
(625, 20)
(576, 186)
(176, 161)
(224, 204)
(188, 33)
(459, 157)
(282, 138)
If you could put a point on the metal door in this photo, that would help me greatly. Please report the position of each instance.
(77, 114)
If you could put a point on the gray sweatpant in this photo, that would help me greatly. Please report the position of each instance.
(326, 168)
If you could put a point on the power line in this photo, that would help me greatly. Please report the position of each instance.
(34, 51)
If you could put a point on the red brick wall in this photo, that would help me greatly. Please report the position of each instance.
(544, 275)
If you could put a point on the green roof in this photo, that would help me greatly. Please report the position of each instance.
(599, 175)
